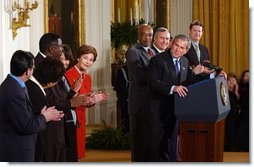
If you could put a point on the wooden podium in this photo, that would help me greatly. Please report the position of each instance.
(201, 116)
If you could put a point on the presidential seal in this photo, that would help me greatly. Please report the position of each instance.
(223, 94)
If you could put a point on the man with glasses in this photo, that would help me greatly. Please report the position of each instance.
(53, 139)
(49, 44)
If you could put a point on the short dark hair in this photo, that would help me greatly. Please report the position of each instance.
(50, 70)
(67, 52)
(48, 40)
(21, 61)
(183, 38)
(86, 49)
(196, 23)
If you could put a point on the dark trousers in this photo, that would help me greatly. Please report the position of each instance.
(160, 143)
(136, 134)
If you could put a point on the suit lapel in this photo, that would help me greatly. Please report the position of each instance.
(143, 54)
(183, 70)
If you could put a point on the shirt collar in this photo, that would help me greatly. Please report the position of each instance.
(158, 49)
(37, 83)
(194, 43)
(21, 83)
(43, 55)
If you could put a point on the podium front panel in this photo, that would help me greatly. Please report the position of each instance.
(206, 101)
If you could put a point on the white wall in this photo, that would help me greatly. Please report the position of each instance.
(27, 37)
(98, 17)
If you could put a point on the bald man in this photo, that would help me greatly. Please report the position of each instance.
(137, 60)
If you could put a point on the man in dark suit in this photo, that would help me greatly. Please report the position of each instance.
(160, 130)
(54, 136)
(50, 44)
(122, 89)
(18, 123)
(161, 40)
(137, 60)
(197, 53)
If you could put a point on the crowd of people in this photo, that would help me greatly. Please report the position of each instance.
(42, 116)
(43, 102)
(158, 68)
(237, 120)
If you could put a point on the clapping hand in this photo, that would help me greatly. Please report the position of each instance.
(96, 97)
(78, 82)
(52, 114)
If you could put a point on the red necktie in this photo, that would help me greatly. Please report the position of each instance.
(150, 52)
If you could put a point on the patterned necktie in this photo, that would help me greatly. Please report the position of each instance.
(177, 68)
(196, 47)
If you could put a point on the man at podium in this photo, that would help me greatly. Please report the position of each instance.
(169, 73)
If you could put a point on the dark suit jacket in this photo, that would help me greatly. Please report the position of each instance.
(55, 130)
(137, 61)
(36, 95)
(18, 124)
(38, 58)
(38, 100)
(155, 50)
(160, 118)
(192, 55)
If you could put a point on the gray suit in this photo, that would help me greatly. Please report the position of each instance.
(137, 61)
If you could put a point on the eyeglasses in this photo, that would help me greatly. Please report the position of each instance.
(60, 47)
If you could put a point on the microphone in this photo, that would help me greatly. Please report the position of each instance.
(211, 66)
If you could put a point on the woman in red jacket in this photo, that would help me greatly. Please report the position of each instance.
(86, 56)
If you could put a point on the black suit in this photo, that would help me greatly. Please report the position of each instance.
(18, 123)
(160, 119)
(53, 138)
(55, 134)
(38, 58)
(192, 55)
(39, 100)
(155, 50)
(122, 90)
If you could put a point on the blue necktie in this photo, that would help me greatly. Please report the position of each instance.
(177, 68)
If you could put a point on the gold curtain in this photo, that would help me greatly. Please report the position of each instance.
(226, 32)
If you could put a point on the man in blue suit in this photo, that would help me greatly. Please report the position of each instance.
(18, 123)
